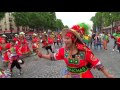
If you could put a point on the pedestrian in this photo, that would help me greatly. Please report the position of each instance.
(78, 57)
(98, 41)
(105, 40)
(115, 41)
(55, 40)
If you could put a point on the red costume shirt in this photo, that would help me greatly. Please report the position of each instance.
(80, 61)
(118, 41)
(35, 42)
(47, 42)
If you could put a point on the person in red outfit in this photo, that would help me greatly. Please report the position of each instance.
(24, 48)
(59, 39)
(35, 42)
(118, 43)
(5, 53)
(118, 38)
(16, 38)
(47, 43)
(78, 58)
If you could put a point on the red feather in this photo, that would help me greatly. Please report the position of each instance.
(76, 27)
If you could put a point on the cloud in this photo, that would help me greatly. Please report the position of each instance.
(72, 18)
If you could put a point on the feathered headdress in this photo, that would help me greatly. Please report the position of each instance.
(84, 28)
(77, 28)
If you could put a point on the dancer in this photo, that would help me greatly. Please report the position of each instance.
(78, 57)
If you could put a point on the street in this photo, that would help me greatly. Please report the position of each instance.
(35, 67)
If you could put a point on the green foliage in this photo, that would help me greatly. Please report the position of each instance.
(2, 14)
(105, 18)
(38, 20)
(66, 26)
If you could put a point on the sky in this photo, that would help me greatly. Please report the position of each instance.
(73, 18)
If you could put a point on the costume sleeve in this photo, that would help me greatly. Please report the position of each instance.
(8, 45)
(59, 55)
(118, 40)
(93, 60)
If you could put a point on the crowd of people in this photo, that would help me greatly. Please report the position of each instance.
(74, 48)
(14, 50)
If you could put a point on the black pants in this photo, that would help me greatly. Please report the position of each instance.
(115, 44)
(47, 48)
(119, 48)
(15, 63)
(59, 42)
(54, 43)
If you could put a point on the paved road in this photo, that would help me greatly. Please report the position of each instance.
(41, 68)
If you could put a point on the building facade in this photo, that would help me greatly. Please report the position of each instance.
(7, 24)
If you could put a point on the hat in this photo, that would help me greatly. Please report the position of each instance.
(84, 28)
(77, 34)
(34, 34)
(16, 34)
(52, 32)
(4, 35)
(22, 33)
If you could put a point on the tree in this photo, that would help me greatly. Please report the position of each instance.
(38, 20)
(99, 20)
(59, 24)
(2, 14)
(66, 26)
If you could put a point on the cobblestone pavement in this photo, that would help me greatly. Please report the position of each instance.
(35, 67)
